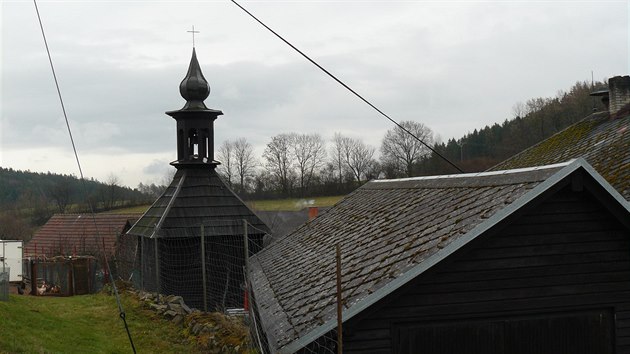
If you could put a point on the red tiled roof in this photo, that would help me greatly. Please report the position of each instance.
(75, 234)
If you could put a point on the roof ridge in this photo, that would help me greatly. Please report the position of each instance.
(478, 174)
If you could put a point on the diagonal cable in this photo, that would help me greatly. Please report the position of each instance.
(76, 155)
(348, 87)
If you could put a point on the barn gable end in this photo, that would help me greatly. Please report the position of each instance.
(563, 263)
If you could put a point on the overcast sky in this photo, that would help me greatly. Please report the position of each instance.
(453, 65)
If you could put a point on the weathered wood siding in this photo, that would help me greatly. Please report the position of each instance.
(566, 255)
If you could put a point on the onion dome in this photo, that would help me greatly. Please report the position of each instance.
(194, 88)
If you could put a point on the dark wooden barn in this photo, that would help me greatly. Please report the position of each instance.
(529, 261)
(191, 242)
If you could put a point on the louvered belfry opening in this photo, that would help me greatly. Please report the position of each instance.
(192, 240)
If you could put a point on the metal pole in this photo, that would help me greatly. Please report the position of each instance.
(246, 247)
(246, 269)
(142, 265)
(203, 269)
(339, 304)
(157, 270)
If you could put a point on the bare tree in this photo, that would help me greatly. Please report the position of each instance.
(61, 192)
(153, 190)
(358, 156)
(374, 170)
(244, 161)
(337, 155)
(519, 110)
(309, 152)
(404, 151)
(225, 154)
(112, 185)
(278, 161)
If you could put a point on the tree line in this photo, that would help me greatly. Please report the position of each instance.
(29, 199)
(301, 165)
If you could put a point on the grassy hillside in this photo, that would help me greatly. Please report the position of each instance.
(293, 204)
(84, 324)
(263, 205)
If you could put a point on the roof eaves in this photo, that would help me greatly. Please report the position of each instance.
(158, 226)
(451, 248)
(625, 204)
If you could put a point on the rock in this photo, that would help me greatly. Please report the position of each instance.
(173, 299)
(175, 307)
(157, 308)
(170, 313)
(178, 319)
(186, 308)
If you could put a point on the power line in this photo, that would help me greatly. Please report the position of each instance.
(346, 86)
(76, 156)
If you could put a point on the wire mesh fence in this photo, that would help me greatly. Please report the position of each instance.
(64, 276)
(263, 331)
(4, 283)
(207, 266)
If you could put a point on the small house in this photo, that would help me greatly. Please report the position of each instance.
(79, 234)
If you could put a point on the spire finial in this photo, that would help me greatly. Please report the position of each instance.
(194, 88)
(193, 34)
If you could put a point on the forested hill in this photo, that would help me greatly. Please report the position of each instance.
(531, 122)
(45, 193)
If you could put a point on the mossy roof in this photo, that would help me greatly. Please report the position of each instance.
(389, 231)
(601, 140)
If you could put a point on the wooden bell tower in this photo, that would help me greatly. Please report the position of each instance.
(195, 121)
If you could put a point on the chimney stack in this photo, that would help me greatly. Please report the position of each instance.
(312, 213)
(619, 93)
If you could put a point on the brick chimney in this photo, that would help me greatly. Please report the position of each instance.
(312, 213)
(619, 93)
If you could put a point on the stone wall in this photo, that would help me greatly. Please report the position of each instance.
(213, 331)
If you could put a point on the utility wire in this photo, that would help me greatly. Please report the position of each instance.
(347, 87)
(76, 156)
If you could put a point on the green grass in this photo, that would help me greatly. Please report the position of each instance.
(130, 210)
(292, 204)
(263, 205)
(84, 324)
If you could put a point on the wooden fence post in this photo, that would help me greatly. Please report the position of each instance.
(203, 269)
(339, 304)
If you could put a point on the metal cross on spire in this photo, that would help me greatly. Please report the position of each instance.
(193, 34)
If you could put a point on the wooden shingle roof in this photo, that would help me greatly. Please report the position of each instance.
(601, 140)
(195, 197)
(68, 234)
(389, 232)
